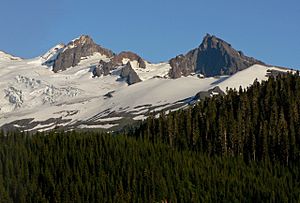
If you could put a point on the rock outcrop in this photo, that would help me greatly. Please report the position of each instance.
(183, 65)
(103, 68)
(213, 57)
(129, 74)
(124, 58)
(72, 53)
(118, 59)
(203, 94)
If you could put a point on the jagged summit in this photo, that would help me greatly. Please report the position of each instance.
(76, 49)
(216, 56)
(212, 41)
(213, 57)
(81, 40)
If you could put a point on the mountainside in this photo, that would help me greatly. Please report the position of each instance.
(213, 57)
(240, 147)
(83, 85)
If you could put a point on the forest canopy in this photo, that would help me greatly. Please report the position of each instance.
(241, 147)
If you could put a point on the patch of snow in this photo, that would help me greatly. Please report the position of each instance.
(105, 126)
(109, 119)
(140, 117)
(151, 70)
(41, 127)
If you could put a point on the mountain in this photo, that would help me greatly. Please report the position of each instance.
(213, 57)
(83, 85)
(81, 47)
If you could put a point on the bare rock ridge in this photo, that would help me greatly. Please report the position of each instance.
(104, 68)
(127, 72)
(213, 57)
(122, 59)
(118, 59)
(72, 53)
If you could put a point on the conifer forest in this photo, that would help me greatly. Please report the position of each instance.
(241, 147)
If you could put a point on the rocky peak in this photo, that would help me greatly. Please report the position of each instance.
(80, 41)
(211, 41)
(217, 57)
(213, 57)
(75, 50)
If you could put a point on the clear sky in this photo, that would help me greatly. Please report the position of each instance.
(156, 29)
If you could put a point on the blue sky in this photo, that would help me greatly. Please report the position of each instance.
(156, 29)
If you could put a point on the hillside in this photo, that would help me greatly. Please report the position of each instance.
(241, 147)
(82, 85)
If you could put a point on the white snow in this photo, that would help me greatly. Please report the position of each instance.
(105, 126)
(41, 128)
(31, 90)
(246, 77)
(140, 117)
(151, 70)
(110, 119)
(53, 53)
(5, 57)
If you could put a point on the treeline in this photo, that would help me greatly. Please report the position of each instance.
(261, 123)
(94, 167)
(242, 147)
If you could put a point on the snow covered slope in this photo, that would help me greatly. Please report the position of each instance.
(246, 77)
(34, 98)
(4, 57)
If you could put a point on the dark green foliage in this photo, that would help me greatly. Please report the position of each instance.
(91, 167)
(243, 147)
(260, 123)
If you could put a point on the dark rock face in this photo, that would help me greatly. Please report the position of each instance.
(183, 65)
(81, 47)
(118, 59)
(213, 57)
(103, 68)
(217, 57)
(129, 74)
